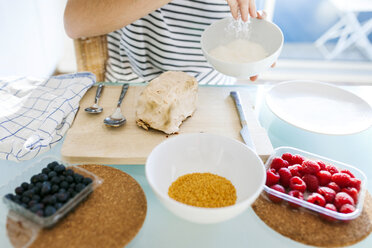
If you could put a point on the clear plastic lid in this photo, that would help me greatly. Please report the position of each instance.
(19, 213)
(278, 152)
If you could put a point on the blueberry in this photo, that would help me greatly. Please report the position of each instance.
(36, 207)
(39, 184)
(17, 197)
(31, 186)
(55, 180)
(24, 205)
(52, 165)
(49, 210)
(62, 178)
(34, 179)
(78, 178)
(62, 197)
(69, 172)
(69, 179)
(40, 213)
(9, 197)
(24, 186)
(32, 203)
(62, 190)
(25, 199)
(55, 188)
(29, 193)
(87, 180)
(43, 177)
(46, 171)
(19, 190)
(50, 199)
(59, 168)
(64, 185)
(79, 187)
(72, 185)
(52, 174)
(37, 189)
(71, 190)
(58, 205)
(36, 198)
(46, 188)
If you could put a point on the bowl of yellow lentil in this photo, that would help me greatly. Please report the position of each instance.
(205, 178)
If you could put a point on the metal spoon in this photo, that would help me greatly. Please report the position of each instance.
(117, 118)
(95, 109)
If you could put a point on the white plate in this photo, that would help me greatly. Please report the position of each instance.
(319, 107)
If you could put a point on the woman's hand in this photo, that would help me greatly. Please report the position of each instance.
(260, 16)
(244, 7)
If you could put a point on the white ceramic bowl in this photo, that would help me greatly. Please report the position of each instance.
(201, 152)
(263, 32)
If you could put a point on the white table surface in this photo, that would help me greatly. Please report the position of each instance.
(163, 229)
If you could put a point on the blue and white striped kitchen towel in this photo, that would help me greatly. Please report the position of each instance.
(35, 114)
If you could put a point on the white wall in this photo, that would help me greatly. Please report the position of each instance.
(31, 37)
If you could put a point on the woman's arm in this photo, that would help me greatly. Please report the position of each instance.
(85, 18)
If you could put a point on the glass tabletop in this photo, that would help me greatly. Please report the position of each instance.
(163, 229)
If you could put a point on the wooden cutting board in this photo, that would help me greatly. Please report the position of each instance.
(90, 141)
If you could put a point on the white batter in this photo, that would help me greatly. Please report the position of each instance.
(239, 51)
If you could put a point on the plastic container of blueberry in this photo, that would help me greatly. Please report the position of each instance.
(62, 196)
(313, 208)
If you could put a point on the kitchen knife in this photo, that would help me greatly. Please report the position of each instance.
(244, 132)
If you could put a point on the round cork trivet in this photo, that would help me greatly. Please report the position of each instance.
(309, 229)
(110, 217)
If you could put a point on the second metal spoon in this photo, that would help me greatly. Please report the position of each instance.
(117, 118)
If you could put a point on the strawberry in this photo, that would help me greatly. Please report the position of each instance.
(297, 194)
(331, 168)
(347, 172)
(285, 176)
(322, 165)
(328, 193)
(296, 183)
(317, 199)
(274, 198)
(332, 208)
(272, 177)
(355, 183)
(310, 167)
(347, 208)
(288, 157)
(278, 163)
(297, 159)
(324, 177)
(342, 179)
(312, 182)
(342, 198)
(295, 170)
(334, 186)
(353, 192)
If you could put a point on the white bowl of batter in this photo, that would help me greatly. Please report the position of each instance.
(244, 52)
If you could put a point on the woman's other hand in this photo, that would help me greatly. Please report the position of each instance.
(260, 16)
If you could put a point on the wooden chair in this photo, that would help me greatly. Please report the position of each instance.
(91, 55)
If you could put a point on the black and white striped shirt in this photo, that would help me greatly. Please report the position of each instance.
(166, 39)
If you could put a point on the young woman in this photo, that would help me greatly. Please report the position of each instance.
(147, 37)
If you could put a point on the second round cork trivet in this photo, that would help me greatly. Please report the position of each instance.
(309, 229)
(110, 217)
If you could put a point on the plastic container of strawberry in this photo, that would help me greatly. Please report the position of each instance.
(313, 208)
